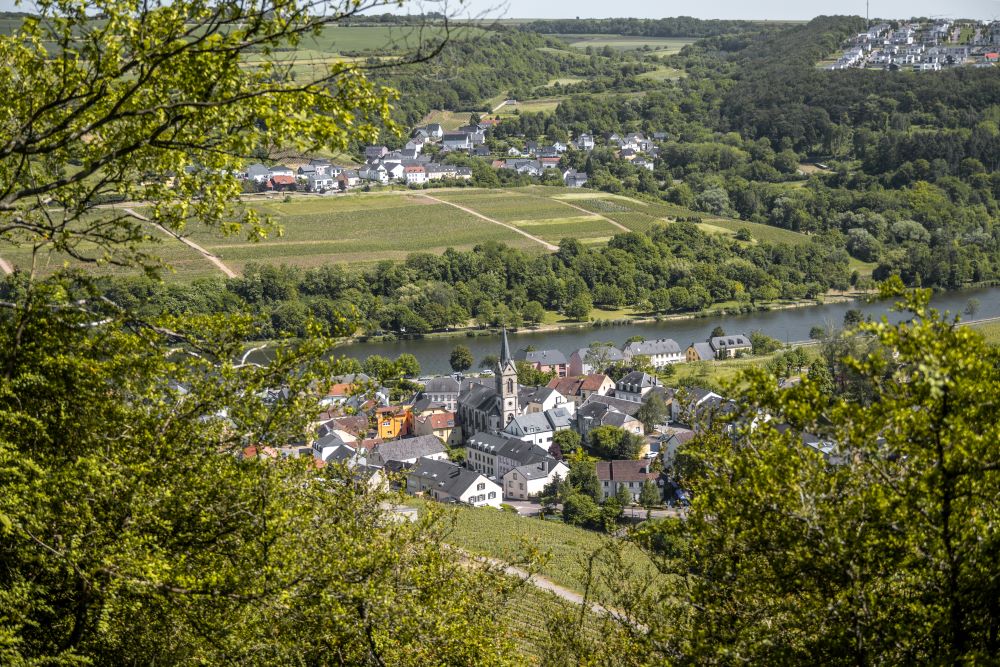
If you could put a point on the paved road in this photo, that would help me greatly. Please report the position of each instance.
(532, 508)
(548, 246)
(214, 259)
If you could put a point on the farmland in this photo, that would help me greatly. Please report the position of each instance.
(507, 536)
(658, 45)
(364, 228)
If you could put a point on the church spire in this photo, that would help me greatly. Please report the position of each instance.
(504, 349)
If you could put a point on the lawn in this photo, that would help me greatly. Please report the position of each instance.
(659, 45)
(723, 372)
(663, 74)
(541, 105)
(449, 120)
(507, 536)
(990, 331)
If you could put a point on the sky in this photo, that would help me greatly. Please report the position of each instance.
(735, 9)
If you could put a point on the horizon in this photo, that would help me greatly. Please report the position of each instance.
(765, 10)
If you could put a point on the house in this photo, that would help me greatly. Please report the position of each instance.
(630, 475)
(415, 175)
(457, 141)
(481, 151)
(281, 170)
(440, 425)
(322, 166)
(528, 481)
(643, 163)
(541, 399)
(726, 347)
(435, 131)
(585, 360)
(317, 182)
(660, 352)
(443, 390)
(446, 482)
(546, 361)
(685, 406)
(374, 172)
(699, 352)
(415, 145)
(343, 387)
(463, 173)
(436, 171)
(482, 407)
(408, 450)
(326, 445)
(669, 441)
(395, 170)
(634, 386)
(574, 179)
(348, 179)
(394, 421)
(593, 414)
(283, 183)
(495, 455)
(539, 427)
(529, 167)
(258, 173)
(549, 162)
(579, 389)
(375, 153)
(585, 142)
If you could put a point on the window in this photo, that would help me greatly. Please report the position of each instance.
(493, 494)
(605, 482)
(480, 486)
(522, 486)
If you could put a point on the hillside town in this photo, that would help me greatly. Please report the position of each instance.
(490, 439)
(923, 46)
(424, 161)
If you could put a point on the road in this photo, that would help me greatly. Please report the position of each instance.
(548, 246)
(214, 259)
(533, 508)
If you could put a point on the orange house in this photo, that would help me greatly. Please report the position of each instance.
(394, 421)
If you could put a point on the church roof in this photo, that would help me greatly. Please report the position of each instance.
(504, 350)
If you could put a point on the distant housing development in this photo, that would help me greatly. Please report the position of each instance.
(922, 46)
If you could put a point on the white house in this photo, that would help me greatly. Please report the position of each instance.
(661, 352)
(527, 481)
(630, 475)
(539, 427)
(446, 482)
(582, 361)
(634, 386)
(375, 172)
(415, 175)
(496, 455)
(457, 141)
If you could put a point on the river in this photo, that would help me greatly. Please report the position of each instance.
(786, 325)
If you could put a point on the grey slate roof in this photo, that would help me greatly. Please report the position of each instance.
(453, 479)
(704, 351)
(487, 442)
(523, 452)
(408, 448)
(529, 472)
(534, 422)
(543, 357)
(651, 347)
(612, 353)
(635, 381)
(725, 342)
(442, 385)
(628, 407)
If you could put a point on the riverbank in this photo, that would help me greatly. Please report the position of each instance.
(599, 323)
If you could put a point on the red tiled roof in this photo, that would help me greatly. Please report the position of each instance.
(566, 386)
(624, 471)
(593, 382)
(283, 180)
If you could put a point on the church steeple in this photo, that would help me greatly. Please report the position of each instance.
(506, 379)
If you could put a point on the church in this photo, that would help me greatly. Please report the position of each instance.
(486, 406)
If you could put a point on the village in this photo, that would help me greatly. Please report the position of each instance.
(489, 440)
(923, 46)
(421, 162)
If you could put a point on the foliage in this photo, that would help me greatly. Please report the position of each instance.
(613, 443)
(650, 495)
(583, 476)
(530, 376)
(764, 344)
(653, 412)
(461, 358)
(568, 442)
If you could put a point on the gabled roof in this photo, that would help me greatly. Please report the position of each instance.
(612, 353)
(653, 347)
(569, 386)
(628, 407)
(625, 471)
(704, 351)
(723, 342)
(542, 357)
(594, 382)
(446, 476)
(636, 380)
(442, 385)
(409, 448)
(488, 443)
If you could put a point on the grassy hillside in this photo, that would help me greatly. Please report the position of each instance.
(364, 228)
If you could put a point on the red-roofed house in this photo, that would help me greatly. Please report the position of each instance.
(631, 475)
(282, 183)
(415, 175)
(579, 389)
(441, 424)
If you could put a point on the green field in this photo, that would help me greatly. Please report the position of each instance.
(545, 105)
(507, 536)
(990, 331)
(364, 228)
(663, 74)
(659, 45)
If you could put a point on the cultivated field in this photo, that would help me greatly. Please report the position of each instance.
(659, 45)
(364, 228)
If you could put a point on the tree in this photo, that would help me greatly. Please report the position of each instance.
(623, 496)
(554, 493)
(598, 356)
(764, 344)
(407, 365)
(533, 312)
(853, 318)
(579, 308)
(818, 332)
(169, 506)
(819, 375)
(489, 361)
(579, 509)
(907, 555)
(971, 308)
(583, 477)
(613, 443)
(567, 441)
(528, 374)
(653, 412)
(650, 495)
(460, 359)
(718, 331)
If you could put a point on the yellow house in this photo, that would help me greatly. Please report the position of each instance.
(394, 421)
(441, 424)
